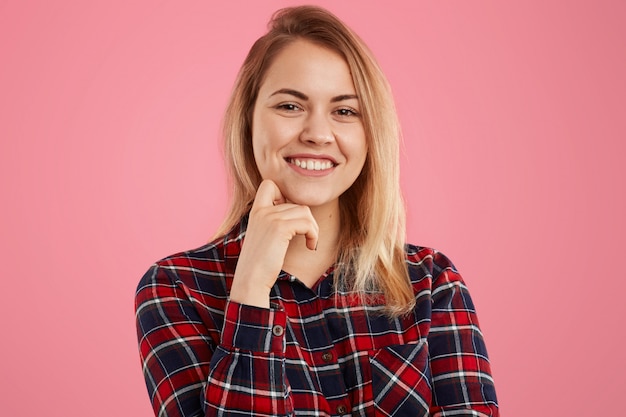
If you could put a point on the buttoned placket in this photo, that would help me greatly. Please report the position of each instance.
(319, 341)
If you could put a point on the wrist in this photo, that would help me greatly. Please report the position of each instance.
(250, 294)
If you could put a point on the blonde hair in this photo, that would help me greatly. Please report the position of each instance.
(372, 255)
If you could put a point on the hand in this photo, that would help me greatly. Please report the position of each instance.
(273, 222)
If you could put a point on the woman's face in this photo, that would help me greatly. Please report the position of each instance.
(307, 132)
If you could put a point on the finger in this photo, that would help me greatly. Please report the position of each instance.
(288, 208)
(311, 242)
(311, 229)
(267, 194)
(308, 228)
(311, 236)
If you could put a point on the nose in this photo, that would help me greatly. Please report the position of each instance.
(317, 130)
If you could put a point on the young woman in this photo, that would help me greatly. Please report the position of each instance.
(309, 302)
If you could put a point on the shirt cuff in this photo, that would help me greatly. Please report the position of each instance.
(253, 328)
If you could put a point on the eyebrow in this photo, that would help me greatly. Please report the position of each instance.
(303, 96)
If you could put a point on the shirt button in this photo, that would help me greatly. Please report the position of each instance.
(341, 409)
(327, 357)
(278, 330)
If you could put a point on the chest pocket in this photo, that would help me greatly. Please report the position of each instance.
(401, 380)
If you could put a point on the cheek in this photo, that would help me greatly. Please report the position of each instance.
(358, 149)
(262, 146)
(268, 132)
(260, 139)
(267, 142)
(364, 149)
(256, 150)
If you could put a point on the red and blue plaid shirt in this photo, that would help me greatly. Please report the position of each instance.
(315, 352)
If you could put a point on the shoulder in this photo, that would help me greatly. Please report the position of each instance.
(434, 273)
(428, 263)
(215, 260)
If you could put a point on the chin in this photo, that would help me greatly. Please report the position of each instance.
(311, 200)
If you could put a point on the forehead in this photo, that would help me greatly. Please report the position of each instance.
(305, 65)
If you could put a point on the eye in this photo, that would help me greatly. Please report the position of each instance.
(289, 107)
(347, 112)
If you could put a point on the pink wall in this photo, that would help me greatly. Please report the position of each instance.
(514, 119)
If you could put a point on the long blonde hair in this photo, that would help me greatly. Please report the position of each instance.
(372, 255)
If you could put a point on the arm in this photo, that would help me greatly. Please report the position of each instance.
(188, 374)
(248, 372)
(193, 367)
(462, 382)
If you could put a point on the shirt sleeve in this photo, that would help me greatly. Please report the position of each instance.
(461, 373)
(188, 374)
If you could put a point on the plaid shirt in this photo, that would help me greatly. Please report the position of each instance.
(315, 352)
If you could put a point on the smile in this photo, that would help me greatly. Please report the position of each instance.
(311, 164)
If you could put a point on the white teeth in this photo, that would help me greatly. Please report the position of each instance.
(312, 165)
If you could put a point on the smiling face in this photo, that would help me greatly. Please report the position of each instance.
(307, 132)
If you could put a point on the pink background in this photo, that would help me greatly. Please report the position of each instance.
(514, 120)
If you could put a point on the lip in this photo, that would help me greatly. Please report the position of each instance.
(310, 172)
(312, 156)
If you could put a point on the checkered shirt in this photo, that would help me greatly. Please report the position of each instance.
(315, 351)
